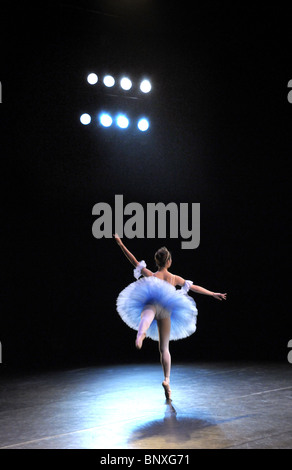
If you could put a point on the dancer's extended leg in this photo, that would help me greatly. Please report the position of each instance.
(147, 318)
(165, 358)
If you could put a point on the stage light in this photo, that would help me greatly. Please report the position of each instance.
(105, 120)
(145, 86)
(122, 121)
(109, 81)
(143, 124)
(85, 119)
(92, 78)
(126, 83)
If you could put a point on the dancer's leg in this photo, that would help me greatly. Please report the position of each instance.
(165, 358)
(147, 318)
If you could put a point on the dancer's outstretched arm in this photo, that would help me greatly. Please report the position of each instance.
(146, 272)
(201, 290)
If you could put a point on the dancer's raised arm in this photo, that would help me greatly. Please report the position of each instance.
(146, 272)
(126, 252)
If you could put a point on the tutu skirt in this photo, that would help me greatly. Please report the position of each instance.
(169, 302)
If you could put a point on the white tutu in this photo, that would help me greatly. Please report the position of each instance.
(153, 291)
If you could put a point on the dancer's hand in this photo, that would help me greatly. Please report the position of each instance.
(118, 240)
(219, 296)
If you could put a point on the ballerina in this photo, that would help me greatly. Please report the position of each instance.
(155, 308)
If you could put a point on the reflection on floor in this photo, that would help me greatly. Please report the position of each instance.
(213, 406)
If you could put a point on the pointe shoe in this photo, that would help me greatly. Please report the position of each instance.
(167, 390)
(139, 340)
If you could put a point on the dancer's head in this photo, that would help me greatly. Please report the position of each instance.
(162, 258)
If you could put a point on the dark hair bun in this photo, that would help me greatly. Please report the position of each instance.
(162, 256)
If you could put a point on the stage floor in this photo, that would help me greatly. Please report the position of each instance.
(214, 406)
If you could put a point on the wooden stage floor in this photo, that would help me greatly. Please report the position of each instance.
(214, 406)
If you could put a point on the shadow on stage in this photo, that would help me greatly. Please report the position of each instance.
(180, 429)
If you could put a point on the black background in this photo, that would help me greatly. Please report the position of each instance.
(220, 135)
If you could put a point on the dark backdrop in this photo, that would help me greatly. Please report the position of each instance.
(220, 135)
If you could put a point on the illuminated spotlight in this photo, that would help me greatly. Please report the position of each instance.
(145, 86)
(92, 78)
(122, 121)
(126, 83)
(143, 124)
(105, 120)
(109, 81)
(85, 119)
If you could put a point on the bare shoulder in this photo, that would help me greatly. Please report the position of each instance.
(179, 281)
(146, 272)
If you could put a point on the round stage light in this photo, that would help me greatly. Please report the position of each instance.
(109, 81)
(92, 78)
(126, 83)
(85, 119)
(105, 120)
(145, 86)
(122, 121)
(143, 124)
